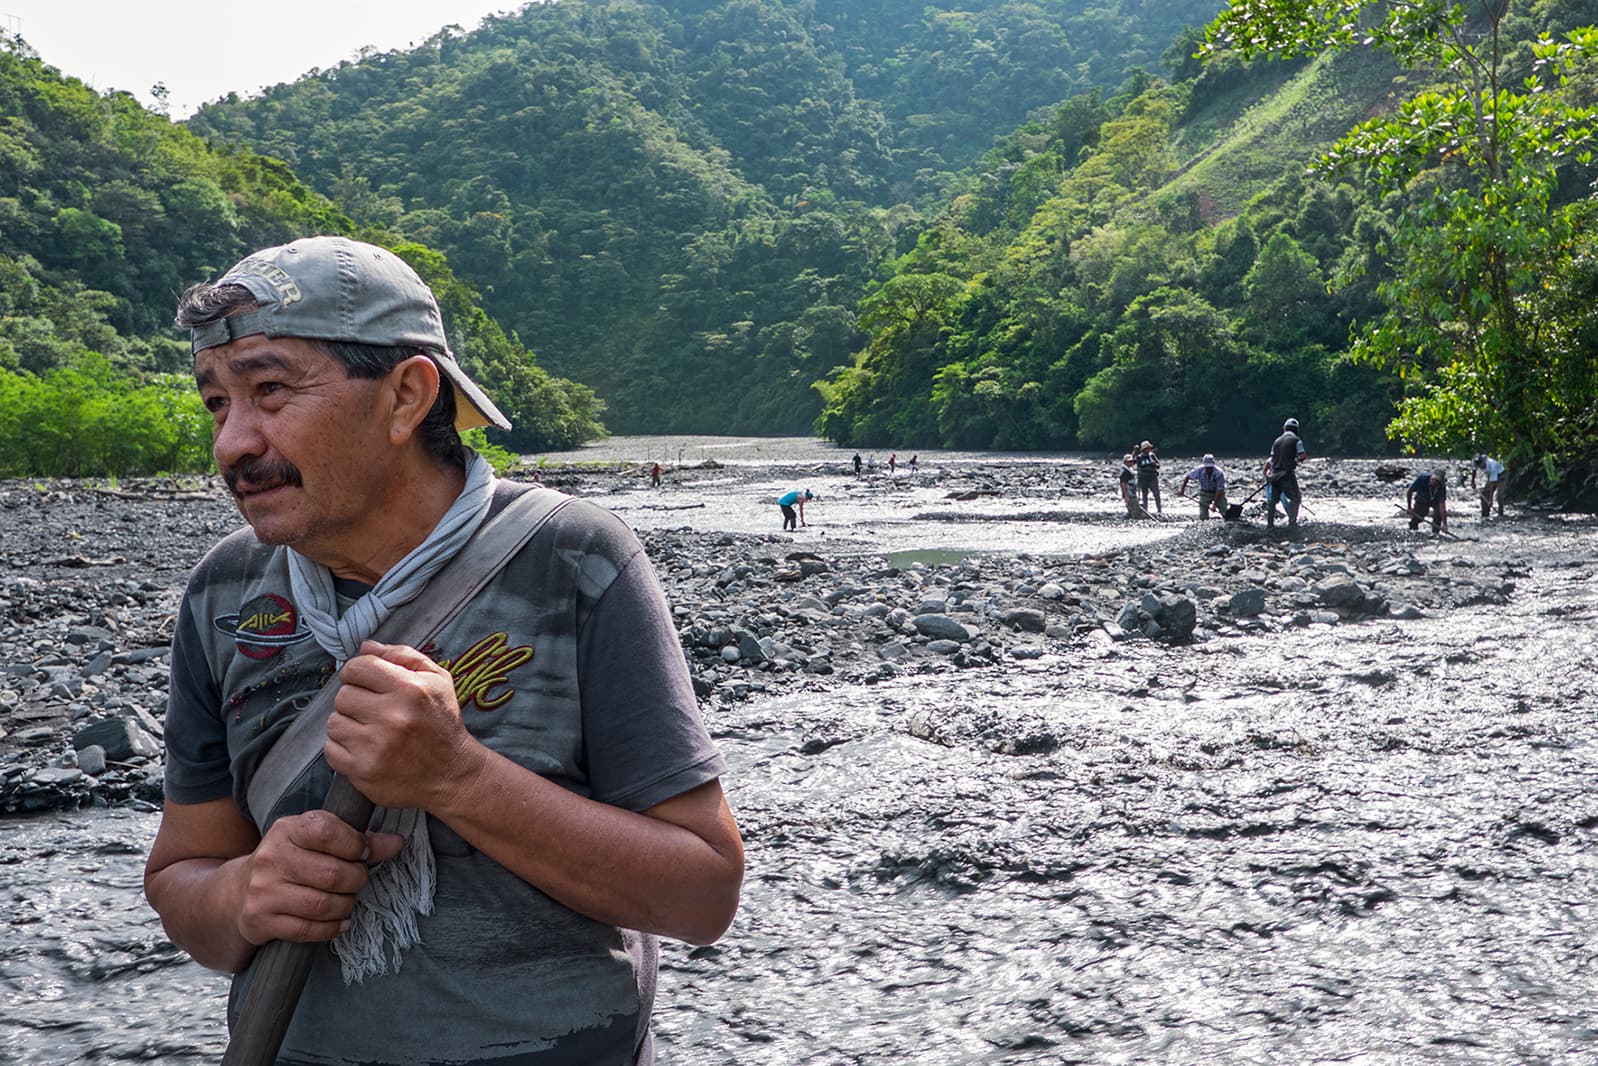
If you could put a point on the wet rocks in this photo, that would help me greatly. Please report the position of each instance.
(83, 654)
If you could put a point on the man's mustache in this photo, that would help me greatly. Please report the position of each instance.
(261, 473)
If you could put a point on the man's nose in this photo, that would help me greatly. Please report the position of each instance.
(237, 437)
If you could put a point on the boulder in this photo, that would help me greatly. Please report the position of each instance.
(1339, 590)
(1247, 603)
(1025, 618)
(121, 738)
(942, 627)
(91, 760)
(1177, 616)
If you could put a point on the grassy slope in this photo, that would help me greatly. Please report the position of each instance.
(1228, 162)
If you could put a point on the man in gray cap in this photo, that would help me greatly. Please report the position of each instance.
(1211, 486)
(553, 794)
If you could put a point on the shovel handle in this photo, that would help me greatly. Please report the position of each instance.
(281, 967)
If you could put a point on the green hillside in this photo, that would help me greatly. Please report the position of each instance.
(1191, 261)
(680, 204)
(106, 213)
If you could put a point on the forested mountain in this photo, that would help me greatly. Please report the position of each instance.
(1116, 270)
(106, 213)
(680, 203)
(990, 224)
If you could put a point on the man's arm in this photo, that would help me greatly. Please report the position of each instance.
(222, 891)
(674, 869)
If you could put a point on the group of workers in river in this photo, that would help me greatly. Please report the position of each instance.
(1140, 479)
(1426, 497)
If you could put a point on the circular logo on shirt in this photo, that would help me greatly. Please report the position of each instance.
(264, 626)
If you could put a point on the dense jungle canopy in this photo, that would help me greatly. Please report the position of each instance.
(995, 224)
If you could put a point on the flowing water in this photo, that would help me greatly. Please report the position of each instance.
(1370, 843)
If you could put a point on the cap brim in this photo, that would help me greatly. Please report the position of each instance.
(473, 408)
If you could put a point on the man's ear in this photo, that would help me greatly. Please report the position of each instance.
(414, 385)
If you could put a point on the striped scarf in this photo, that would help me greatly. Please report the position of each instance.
(384, 922)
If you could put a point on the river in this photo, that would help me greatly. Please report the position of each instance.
(1366, 843)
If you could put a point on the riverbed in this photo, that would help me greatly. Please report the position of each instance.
(1361, 842)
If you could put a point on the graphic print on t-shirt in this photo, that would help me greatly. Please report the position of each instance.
(263, 627)
(481, 669)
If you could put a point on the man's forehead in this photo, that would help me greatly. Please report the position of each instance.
(249, 355)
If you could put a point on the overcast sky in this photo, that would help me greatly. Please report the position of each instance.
(201, 51)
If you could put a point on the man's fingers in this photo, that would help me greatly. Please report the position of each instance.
(398, 654)
(383, 846)
(324, 832)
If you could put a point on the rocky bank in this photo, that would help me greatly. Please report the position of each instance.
(91, 574)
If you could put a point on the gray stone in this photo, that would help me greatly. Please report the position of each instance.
(1177, 616)
(943, 647)
(122, 739)
(1025, 618)
(942, 627)
(729, 653)
(1051, 591)
(55, 776)
(749, 647)
(142, 655)
(1127, 619)
(1247, 603)
(97, 665)
(145, 719)
(893, 650)
(1339, 590)
(91, 760)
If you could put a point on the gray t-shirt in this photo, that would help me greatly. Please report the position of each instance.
(569, 664)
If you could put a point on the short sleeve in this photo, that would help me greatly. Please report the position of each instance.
(643, 738)
(197, 761)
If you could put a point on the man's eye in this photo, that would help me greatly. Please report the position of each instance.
(214, 403)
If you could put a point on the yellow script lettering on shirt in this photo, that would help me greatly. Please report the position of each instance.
(484, 667)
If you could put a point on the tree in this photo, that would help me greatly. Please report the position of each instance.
(1472, 170)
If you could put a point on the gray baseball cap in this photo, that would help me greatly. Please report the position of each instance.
(336, 289)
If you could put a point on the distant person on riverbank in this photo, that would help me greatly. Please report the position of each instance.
(1211, 486)
(793, 508)
(893, 464)
(654, 475)
(857, 464)
(1129, 485)
(1281, 474)
(541, 824)
(1148, 476)
(1492, 473)
(1428, 493)
(912, 464)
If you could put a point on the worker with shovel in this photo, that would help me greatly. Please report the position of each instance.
(1281, 474)
(1211, 487)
